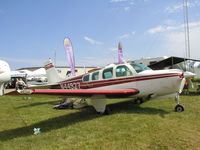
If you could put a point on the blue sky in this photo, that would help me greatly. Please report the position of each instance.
(32, 30)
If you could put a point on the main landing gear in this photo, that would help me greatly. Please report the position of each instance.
(138, 101)
(178, 108)
(106, 112)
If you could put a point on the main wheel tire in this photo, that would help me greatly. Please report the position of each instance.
(106, 112)
(179, 108)
(138, 101)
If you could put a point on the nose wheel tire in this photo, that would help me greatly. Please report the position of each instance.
(179, 108)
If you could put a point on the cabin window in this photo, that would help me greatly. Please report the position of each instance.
(122, 71)
(86, 78)
(108, 73)
(95, 76)
(139, 67)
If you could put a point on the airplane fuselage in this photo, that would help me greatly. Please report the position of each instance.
(129, 76)
(116, 80)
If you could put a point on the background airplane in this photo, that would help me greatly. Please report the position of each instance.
(5, 75)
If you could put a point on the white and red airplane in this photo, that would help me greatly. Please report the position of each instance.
(116, 80)
(5, 75)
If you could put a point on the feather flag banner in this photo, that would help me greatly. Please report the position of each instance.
(120, 54)
(70, 54)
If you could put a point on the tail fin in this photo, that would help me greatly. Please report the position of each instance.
(52, 74)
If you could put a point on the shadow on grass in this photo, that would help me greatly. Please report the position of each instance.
(85, 114)
(39, 103)
(130, 107)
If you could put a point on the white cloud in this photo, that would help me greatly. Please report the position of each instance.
(126, 8)
(127, 4)
(167, 28)
(127, 35)
(132, 3)
(170, 22)
(174, 8)
(117, 1)
(124, 36)
(173, 39)
(160, 29)
(92, 41)
(133, 32)
(178, 7)
(175, 43)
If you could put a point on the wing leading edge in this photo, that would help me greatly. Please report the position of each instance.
(83, 92)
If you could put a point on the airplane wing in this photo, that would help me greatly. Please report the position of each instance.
(83, 92)
(168, 62)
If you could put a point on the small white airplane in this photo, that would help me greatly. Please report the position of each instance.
(5, 75)
(36, 75)
(116, 80)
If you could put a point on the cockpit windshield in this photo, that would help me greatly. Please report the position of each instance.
(139, 67)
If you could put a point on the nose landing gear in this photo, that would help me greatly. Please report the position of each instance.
(178, 108)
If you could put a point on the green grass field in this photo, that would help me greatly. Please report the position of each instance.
(152, 125)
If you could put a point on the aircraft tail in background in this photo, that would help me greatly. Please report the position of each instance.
(52, 74)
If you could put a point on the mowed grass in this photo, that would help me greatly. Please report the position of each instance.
(151, 125)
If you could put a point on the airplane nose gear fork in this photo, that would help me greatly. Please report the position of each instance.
(178, 108)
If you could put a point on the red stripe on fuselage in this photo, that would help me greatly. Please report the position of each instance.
(68, 84)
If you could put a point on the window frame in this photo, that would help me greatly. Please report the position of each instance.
(111, 69)
(126, 69)
(85, 76)
(92, 79)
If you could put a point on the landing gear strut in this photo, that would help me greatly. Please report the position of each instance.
(178, 108)
(106, 112)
